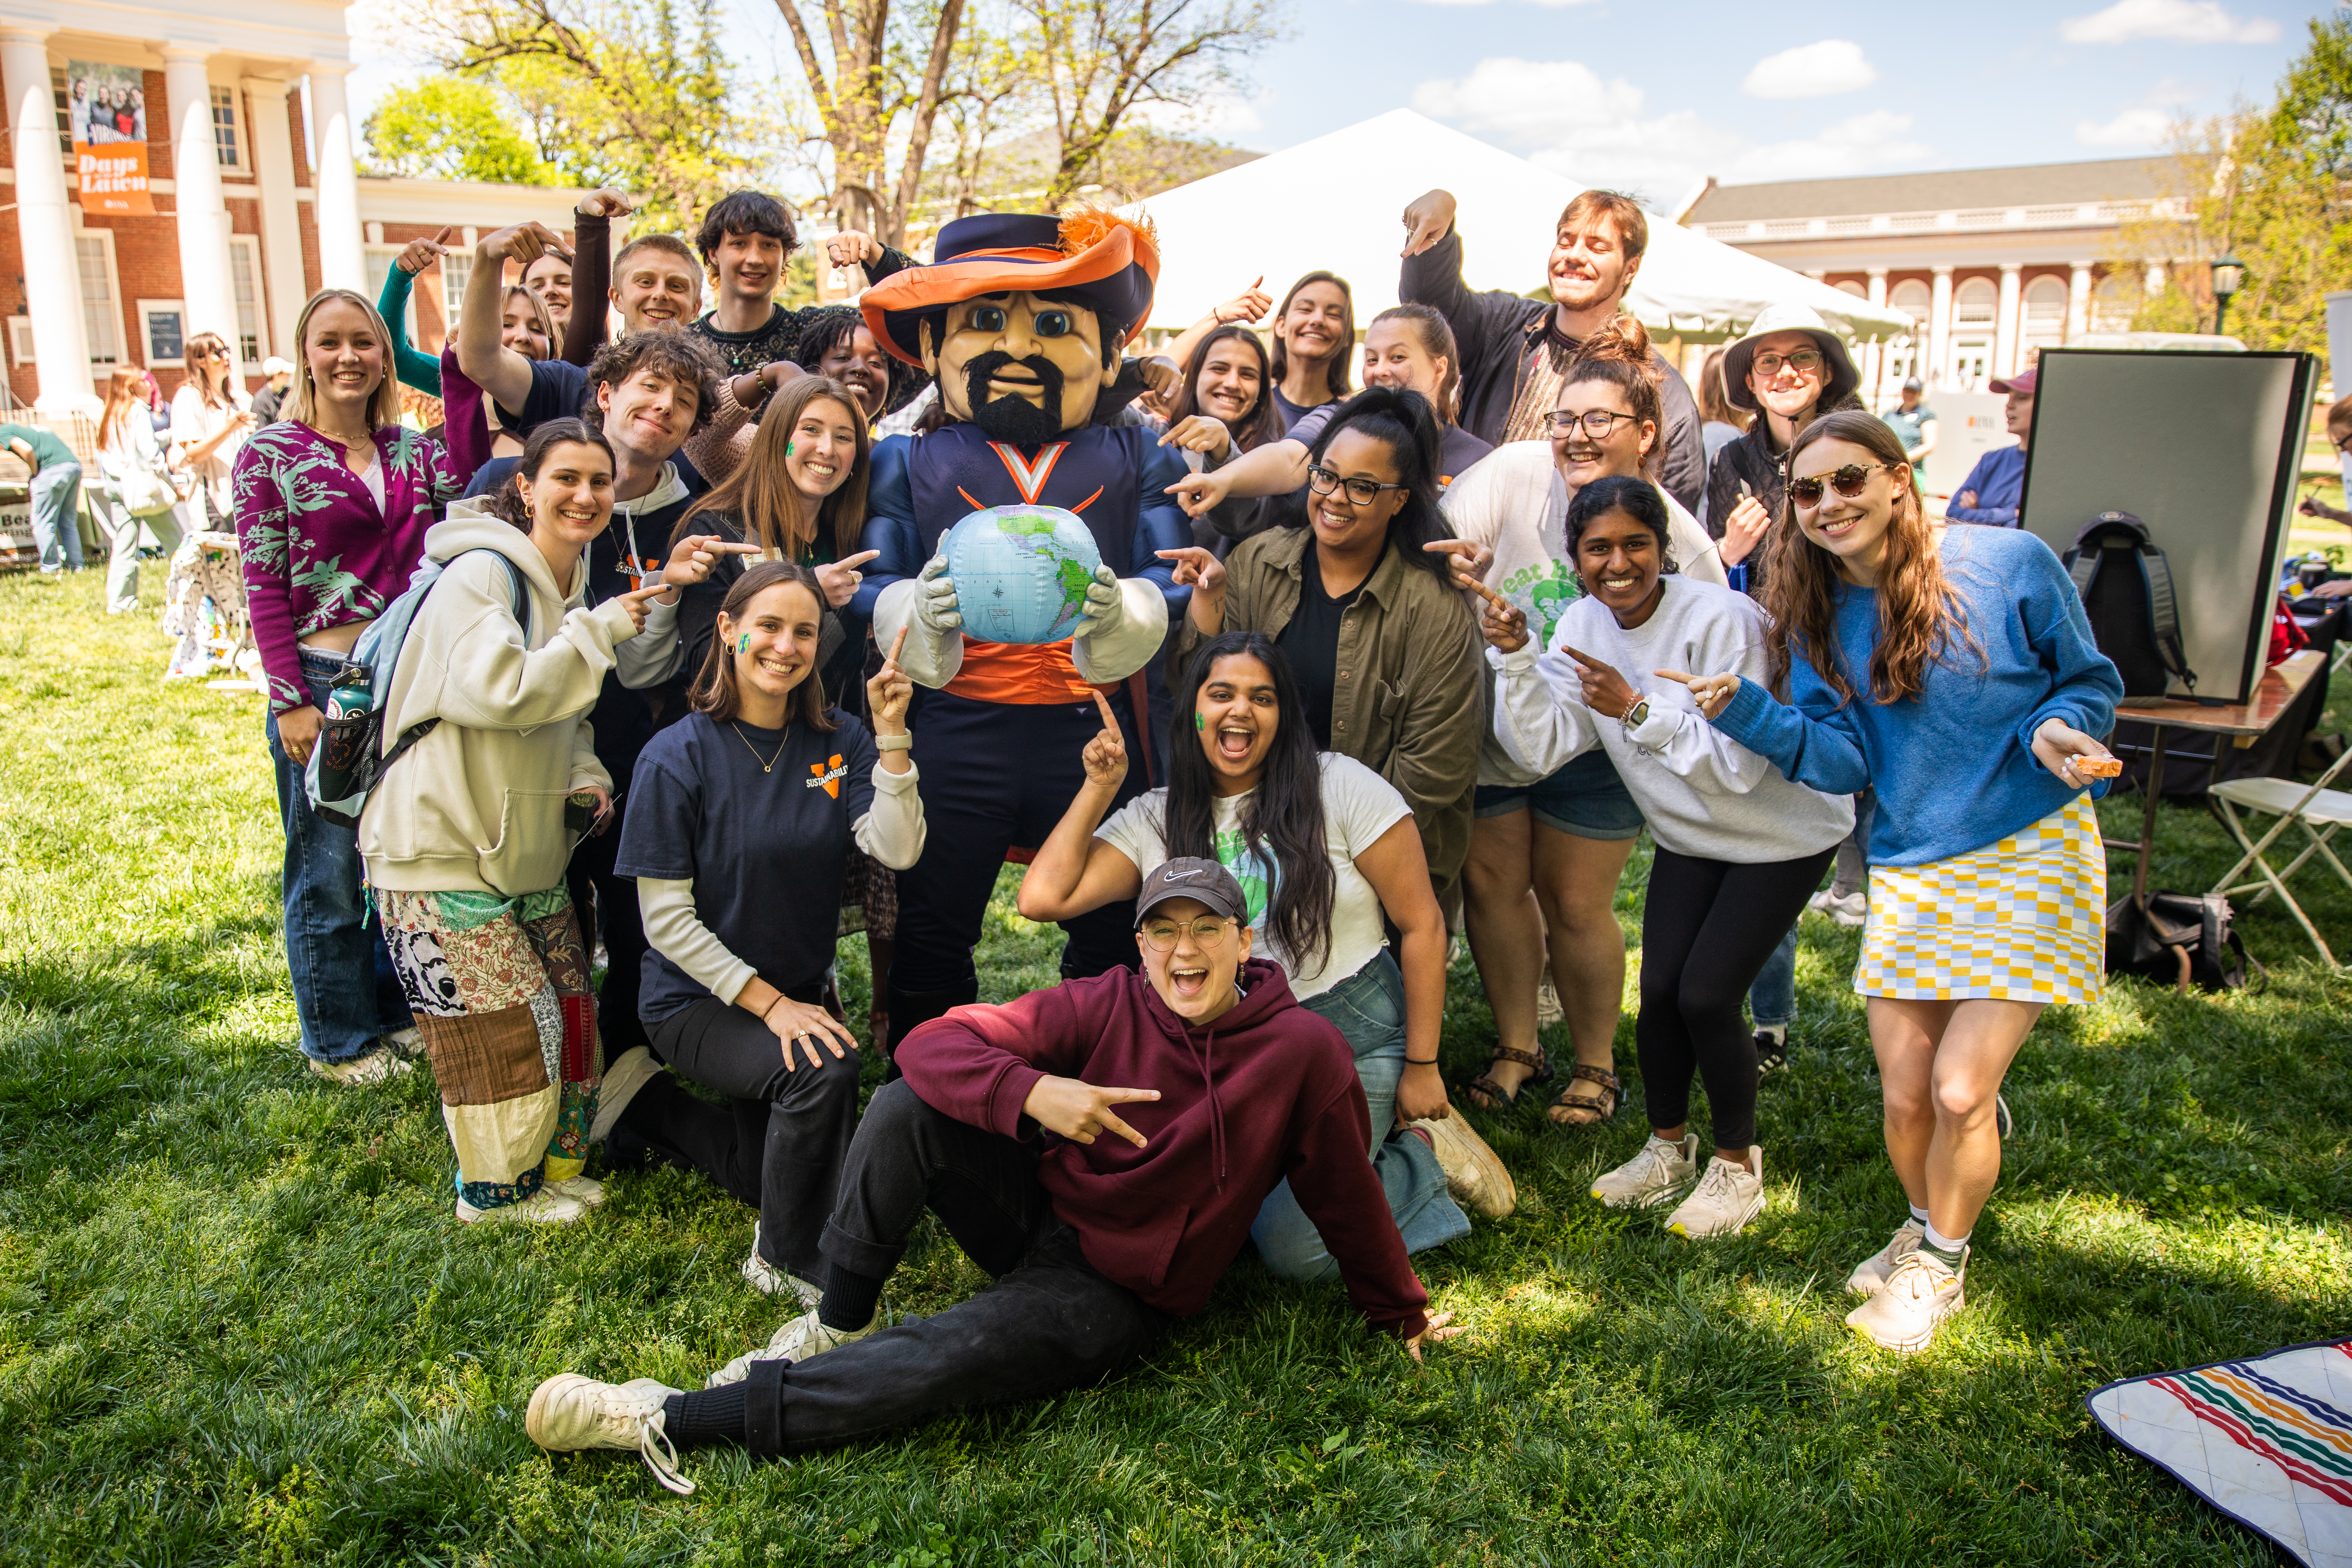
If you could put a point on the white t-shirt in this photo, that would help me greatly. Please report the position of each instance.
(1358, 806)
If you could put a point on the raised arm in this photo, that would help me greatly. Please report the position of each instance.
(497, 369)
(1074, 872)
(590, 323)
(1814, 743)
(415, 368)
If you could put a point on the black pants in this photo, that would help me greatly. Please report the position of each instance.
(778, 1145)
(1050, 1323)
(608, 907)
(1708, 926)
(994, 775)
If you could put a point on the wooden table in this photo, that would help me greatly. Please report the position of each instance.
(2242, 724)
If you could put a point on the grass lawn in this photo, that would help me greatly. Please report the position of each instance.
(238, 1325)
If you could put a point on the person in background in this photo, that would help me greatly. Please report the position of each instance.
(1096, 1238)
(55, 494)
(211, 416)
(1515, 350)
(836, 343)
(1723, 421)
(1914, 425)
(1329, 850)
(485, 940)
(725, 820)
(1384, 650)
(1957, 676)
(1411, 347)
(1222, 411)
(2339, 437)
(332, 505)
(1738, 845)
(549, 277)
(1995, 489)
(1313, 337)
(127, 449)
(474, 441)
(277, 374)
(744, 240)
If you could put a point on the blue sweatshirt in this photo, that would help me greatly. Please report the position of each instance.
(1954, 767)
(1999, 481)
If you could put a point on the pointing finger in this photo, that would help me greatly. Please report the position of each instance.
(852, 562)
(1676, 675)
(1121, 1095)
(899, 645)
(1102, 706)
(1114, 1125)
(729, 547)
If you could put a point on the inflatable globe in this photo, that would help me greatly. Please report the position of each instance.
(1020, 572)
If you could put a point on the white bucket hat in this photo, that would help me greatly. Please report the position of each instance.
(1839, 381)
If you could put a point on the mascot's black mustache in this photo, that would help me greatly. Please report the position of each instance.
(1013, 417)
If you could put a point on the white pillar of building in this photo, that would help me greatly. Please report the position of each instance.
(342, 260)
(2078, 301)
(1874, 374)
(45, 226)
(2155, 278)
(2005, 319)
(1939, 329)
(281, 222)
(206, 294)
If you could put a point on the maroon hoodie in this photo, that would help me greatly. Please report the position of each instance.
(1265, 1091)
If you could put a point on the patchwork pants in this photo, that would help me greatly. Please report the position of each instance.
(500, 988)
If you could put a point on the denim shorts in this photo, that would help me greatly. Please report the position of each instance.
(1586, 799)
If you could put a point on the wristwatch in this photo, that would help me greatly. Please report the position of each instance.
(1634, 716)
(894, 742)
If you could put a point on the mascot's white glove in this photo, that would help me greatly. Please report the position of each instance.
(1103, 611)
(935, 596)
(924, 606)
(1122, 627)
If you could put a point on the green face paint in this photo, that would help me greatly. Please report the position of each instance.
(743, 645)
(1199, 721)
(788, 448)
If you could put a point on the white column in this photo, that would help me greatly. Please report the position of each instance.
(343, 261)
(2004, 323)
(45, 226)
(281, 222)
(1938, 371)
(203, 213)
(2078, 301)
(1875, 373)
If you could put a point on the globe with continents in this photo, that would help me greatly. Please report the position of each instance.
(1020, 571)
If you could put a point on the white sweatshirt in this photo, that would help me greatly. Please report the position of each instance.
(1705, 794)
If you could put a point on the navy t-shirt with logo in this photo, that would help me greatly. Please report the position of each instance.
(765, 848)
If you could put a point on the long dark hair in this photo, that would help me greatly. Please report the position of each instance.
(1404, 422)
(714, 690)
(1264, 422)
(1284, 817)
(1334, 375)
(505, 502)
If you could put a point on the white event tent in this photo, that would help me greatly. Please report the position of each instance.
(1336, 204)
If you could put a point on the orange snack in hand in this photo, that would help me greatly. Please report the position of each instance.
(2099, 768)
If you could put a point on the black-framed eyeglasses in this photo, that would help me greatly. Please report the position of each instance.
(1804, 362)
(1362, 492)
(1208, 931)
(2342, 443)
(1596, 422)
(1847, 482)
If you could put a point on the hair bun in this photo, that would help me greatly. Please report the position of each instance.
(1623, 339)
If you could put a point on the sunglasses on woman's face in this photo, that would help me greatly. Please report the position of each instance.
(1847, 482)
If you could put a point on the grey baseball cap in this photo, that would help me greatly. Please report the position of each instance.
(1191, 877)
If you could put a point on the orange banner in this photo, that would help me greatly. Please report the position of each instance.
(106, 111)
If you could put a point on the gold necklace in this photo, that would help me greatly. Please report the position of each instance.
(768, 766)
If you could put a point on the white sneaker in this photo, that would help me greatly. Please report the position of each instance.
(1473, 1173)
(569, 1412)
(1548, 1008)
(1729, 1197)
(770, 1281)
(619, 1086)
(586, 1191)
(1919, 1296)
(802, 1338)
(1870, 1276)
(408, 1042)
(1849, 912)
(1651, 1176)
(545, 1206)
(378, 1064)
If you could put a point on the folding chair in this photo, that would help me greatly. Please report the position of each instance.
(2317, 809)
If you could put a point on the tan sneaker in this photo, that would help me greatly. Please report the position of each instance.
(802, 1338)
(1473, 1173)
(1729, 1197)
(569, 1412)
(1920, 1295)
(770, 1281)
(1652, 1175)
(1870, 1276)
(585, 1191)
(545, 1206)
(376, 1066)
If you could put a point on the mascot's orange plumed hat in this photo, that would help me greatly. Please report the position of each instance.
(1089, 255)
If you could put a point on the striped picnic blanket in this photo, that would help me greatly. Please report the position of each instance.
(2268, 1441)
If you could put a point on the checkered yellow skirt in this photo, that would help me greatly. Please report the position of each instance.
(2022, 920)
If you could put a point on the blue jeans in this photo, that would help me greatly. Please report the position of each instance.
(57, 527)
(346, 992)
(1367, 1008)
(1772, 998)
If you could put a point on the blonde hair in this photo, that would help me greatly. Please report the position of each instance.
(127, 386)
(302, 397)
(203, 345)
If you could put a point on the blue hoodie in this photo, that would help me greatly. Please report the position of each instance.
(1954, 767)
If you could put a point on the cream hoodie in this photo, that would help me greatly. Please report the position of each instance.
(477, 804)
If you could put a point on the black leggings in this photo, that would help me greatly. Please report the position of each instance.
(1708, 926)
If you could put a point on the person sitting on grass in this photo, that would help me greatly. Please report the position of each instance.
(1214, 1085)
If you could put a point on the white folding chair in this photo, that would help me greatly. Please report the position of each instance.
(2314, 808)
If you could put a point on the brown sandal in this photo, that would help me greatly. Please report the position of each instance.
(1603, 1105)
(1485, 1093)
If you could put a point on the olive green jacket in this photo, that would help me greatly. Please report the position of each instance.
(1410, 701)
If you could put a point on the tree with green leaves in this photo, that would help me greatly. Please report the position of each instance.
(453, 128)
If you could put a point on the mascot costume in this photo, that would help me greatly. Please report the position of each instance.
(1021, 319)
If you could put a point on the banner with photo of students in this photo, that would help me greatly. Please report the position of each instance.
(106, 116)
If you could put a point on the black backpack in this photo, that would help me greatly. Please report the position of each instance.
(2127, 588)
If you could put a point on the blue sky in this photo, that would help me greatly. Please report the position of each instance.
(1651, 97)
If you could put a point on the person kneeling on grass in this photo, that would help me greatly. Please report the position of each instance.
(1217, 1086)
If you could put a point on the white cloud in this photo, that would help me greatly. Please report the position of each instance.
(1565, 116)
(1554, 3)
(2174, 21)
(2143, 123)
(1814, 71)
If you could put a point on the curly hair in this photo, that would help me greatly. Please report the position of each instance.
(680, 358)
